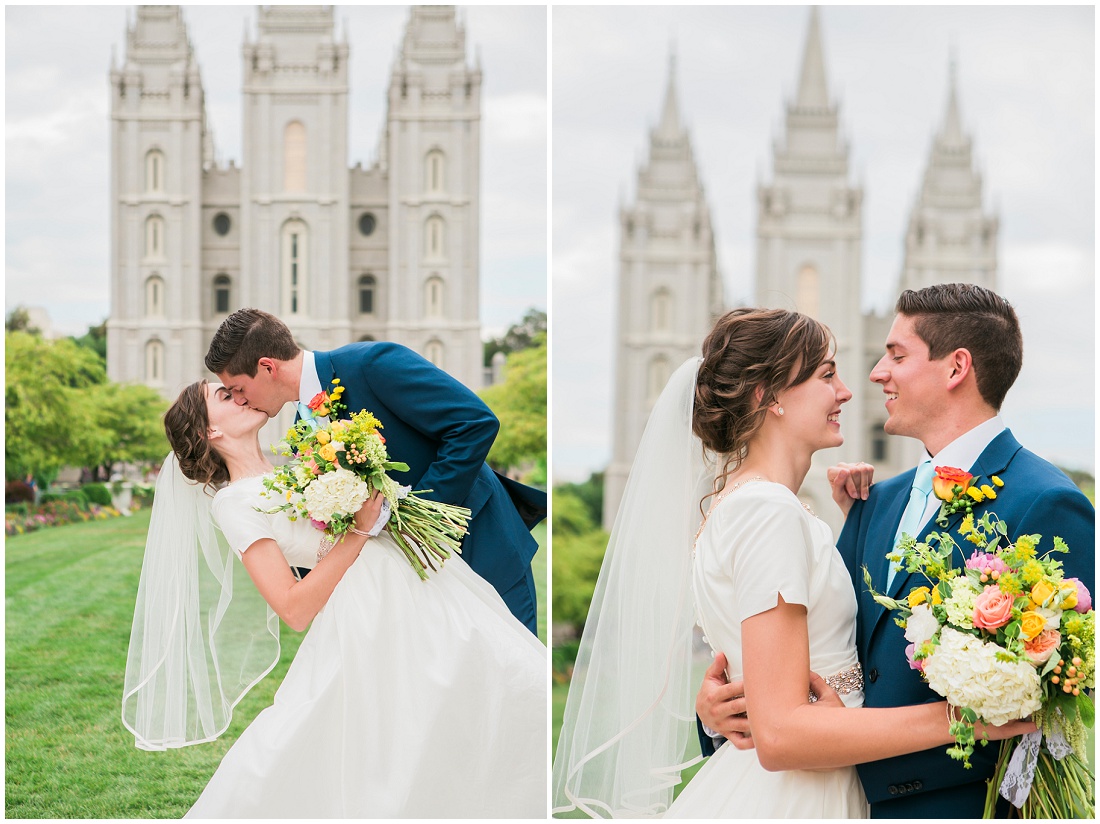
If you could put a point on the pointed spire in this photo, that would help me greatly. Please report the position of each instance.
(669, 127)
(952, 134)
(813, 93)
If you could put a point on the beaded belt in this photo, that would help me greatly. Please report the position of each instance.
(845, 681)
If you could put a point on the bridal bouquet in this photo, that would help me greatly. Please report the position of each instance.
(1003, 638)
(335, 467)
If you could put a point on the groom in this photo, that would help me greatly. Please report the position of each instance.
(952, 354)
(441, 429)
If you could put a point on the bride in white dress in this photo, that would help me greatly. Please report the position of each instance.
(407, 698)
(761, 577)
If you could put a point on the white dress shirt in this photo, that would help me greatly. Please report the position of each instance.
(309, 384)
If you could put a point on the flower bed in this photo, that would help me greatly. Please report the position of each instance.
(54, 513)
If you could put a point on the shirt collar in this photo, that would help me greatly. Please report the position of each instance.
(964, 451)
(309, 384)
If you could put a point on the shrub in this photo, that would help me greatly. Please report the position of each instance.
(77, 497)
(18, 492)
(97, 494)
(21, 509)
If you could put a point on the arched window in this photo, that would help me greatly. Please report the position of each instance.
(809, 292)
(221, 294)
(367, 285)
(154, 237)
(657, 378)
(154, 171)
(434, 237)
(294, 157)
(154, 297)
(295, 267)
(154, 362)
(660, 311)
(434, 352)
(434, 167)
(433, 297)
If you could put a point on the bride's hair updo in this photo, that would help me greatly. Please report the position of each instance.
(747, 350)
(186, 424)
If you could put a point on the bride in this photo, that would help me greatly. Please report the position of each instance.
(761, 577)
(407, 698)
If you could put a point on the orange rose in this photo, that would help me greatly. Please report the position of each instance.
(1039, 649)
(318, 401)
(946, 479)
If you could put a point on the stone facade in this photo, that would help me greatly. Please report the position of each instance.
(341, 254)
(809, 257)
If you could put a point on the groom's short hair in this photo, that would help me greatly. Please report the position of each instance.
(950, 316)
(246, 336)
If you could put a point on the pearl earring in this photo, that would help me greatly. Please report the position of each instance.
(780, 410)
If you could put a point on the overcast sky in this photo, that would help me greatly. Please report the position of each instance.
(57, 116)
(1026, 92)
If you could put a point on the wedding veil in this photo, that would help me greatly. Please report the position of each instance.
(202, 635)
(630, 714)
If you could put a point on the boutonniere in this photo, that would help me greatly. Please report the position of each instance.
(328, 403)
(959, 490)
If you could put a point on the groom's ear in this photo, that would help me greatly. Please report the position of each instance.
(960, 364)
(268, 365)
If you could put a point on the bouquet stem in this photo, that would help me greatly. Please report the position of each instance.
(1060, 789)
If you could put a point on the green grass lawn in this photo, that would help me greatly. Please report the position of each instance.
(69, 607)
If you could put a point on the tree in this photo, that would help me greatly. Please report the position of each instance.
(127, 419)
(95, 339)
(520, 336)
(520, 405)
(579, 547)
(19, 320)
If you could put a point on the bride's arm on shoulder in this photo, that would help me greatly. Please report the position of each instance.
(298, 602)
(790, 733)
(850, 482)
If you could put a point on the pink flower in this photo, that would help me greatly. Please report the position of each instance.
(1084, 598)
(993, 609)
(910, 651)
(1042, 646)
(982, 561)
(316, 470)
(318, 524)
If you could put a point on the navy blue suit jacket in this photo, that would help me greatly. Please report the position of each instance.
(1036, 498)
(443, 431)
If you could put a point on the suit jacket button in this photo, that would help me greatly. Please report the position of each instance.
(909, 788)
(918, 785)
(893, 789)
(872, 676)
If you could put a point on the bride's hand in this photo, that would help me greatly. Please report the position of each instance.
(850, 482)
(1009, 730)
(367, 516)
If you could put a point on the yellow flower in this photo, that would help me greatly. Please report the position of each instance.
(323, 437)
(1031, 624)
(1041, 592)
(975, 493)
(1032, 572)
(328, 452)
(987, 490)
(936, 597)
(967, 526)
(1025, 546)
(996, 481)
(335, 381)
(918, 596)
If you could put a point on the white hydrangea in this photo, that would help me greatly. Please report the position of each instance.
(968, 673)
(960, 606)
(921, 625)
(341, 492)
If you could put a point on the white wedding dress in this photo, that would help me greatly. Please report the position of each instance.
(760, 541)
(407, 698)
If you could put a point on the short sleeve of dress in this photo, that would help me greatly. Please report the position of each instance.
(239, 520)
(769, 551)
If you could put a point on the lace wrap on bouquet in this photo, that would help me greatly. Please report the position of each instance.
(202, 634)
(630, 714)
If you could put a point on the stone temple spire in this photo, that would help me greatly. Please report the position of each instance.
(813, 92)
(950, 237)
(669, 128)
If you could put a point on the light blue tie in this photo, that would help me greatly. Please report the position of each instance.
(913, 517)
(307, 415)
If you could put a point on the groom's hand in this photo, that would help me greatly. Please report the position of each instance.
(721, 705)
(850, 482)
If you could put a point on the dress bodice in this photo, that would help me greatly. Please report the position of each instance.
(235, 510)
(759, 542)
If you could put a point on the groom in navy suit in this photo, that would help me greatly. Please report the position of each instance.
(432, 422)
(952, 354)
